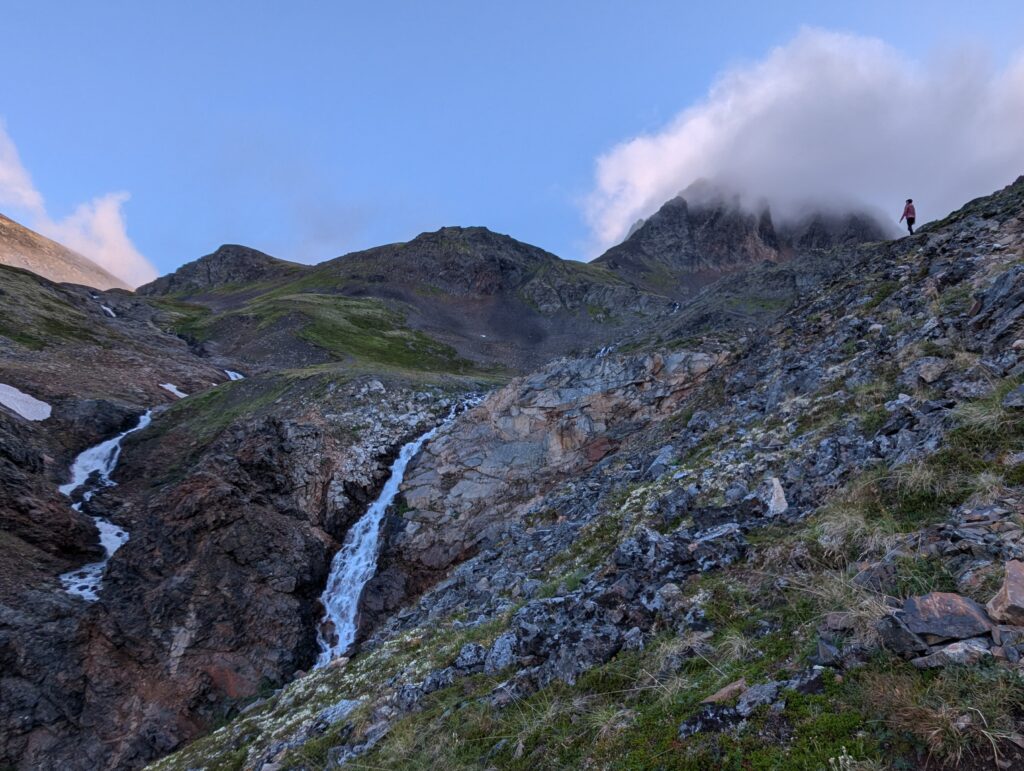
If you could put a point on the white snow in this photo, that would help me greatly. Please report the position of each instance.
(174, 390)
(100, 460)
(356, 561)
(29, 407)
(232, 375)
(109, 311)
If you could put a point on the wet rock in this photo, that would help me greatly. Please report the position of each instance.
(943, 615)
(1008, 604)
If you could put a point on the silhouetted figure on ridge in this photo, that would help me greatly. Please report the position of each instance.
(909, 214)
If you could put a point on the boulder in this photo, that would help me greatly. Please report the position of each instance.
(896, 637)
(927, 369)
(1008, 604)
(961, 652)
(757, 696)
(501, 654)
(942, 616)
(1015, 399)
(472, 656)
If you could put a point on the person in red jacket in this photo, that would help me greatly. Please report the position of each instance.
(909, 215)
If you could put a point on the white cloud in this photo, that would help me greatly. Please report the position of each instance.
(96, 229)
(832, 119)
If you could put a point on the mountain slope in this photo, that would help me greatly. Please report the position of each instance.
(769, 551)
(26, 249)
(743, 489)
(456, 295)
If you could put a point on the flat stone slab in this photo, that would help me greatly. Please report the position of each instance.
(944, 616)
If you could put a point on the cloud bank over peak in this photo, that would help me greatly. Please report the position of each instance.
(96, 229)
(832, 120)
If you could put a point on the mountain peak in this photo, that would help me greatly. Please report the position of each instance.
(229, 264)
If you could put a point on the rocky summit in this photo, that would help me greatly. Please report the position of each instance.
(739, 494)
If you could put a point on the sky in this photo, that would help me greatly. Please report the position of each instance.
(147, 134)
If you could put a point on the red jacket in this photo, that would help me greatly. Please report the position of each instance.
(908, 212)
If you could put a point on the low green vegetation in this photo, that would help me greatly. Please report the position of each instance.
(346, 328)
(37, 316)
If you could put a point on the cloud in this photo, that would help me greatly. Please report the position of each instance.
(830, 119)
(96, 229)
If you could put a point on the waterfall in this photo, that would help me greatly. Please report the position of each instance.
(101, 460)
(356, 561)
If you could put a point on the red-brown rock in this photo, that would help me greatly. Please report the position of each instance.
(944, 616)
(1008, 604)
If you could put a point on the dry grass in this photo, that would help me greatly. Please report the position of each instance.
(986, 415)
(609, 720)
(961, 712)
(844, 530)
(735, 647)
(925, 478)
(834, 590)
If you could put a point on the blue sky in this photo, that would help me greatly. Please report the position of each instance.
(313, 129)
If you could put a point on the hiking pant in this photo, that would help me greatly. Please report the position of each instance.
(910, 225)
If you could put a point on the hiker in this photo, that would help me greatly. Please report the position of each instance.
(909, 215)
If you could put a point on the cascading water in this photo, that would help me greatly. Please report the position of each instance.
(100, 459)
(356, 561)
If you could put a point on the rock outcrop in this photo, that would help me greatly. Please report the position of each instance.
(480, 476)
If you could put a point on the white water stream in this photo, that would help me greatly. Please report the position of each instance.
(356, 561)
(101, 459)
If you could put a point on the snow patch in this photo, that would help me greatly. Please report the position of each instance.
(109, 311)
(174, 390)
(232, 375)
(20, 402)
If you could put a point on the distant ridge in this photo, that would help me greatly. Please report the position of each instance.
(21, 247)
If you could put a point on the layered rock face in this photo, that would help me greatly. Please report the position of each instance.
(215, 595)
(479, 476)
